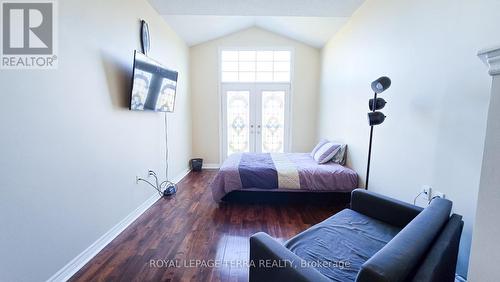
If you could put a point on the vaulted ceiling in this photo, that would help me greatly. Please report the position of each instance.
(313, 22)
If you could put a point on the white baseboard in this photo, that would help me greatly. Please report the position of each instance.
(65, 273)
(181, 175)
(211, 166)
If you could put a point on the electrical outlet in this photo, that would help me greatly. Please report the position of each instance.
(427, 190)
(439, 194)
(149, 173)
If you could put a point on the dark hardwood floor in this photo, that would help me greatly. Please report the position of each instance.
(175, 235)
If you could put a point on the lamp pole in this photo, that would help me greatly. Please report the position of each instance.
(374, 117)
(370, 144)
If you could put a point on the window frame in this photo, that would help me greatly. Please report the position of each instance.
(256, 49)
(221, 84)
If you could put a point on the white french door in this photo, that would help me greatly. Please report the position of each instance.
(255, 118)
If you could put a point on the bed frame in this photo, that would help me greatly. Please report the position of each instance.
(281, 197)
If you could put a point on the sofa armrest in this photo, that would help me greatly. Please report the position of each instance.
(392, 211)
(440, 262)
(271, 261)
(399, 259)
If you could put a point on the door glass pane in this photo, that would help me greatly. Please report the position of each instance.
(238, 120)
(273, 121)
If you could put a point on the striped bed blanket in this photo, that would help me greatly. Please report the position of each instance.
(281, 171)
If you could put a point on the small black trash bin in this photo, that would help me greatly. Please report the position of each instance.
(196, 164)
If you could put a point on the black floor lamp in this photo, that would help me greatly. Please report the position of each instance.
(375, 117)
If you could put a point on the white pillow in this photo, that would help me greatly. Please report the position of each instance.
(320, 143)
(326, 152)
(340, 156)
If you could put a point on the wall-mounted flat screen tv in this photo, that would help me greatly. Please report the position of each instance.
(154, 86)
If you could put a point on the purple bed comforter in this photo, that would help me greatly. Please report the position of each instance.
(281, 172)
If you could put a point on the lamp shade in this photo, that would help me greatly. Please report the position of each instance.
(379, 104)
(381, 84)
(375, 118)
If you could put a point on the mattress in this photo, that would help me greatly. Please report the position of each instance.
(281, 172)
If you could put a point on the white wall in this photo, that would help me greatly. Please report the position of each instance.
(204, 68)
(485, 253)
(437, 105)
(70, 149)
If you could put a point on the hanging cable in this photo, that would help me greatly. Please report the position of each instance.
(167, 182)
(165, 188)
(166, 148)
(152, 185)
(415, 200)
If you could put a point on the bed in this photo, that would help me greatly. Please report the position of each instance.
(287, 172)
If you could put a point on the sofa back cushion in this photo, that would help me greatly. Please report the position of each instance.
(400, 258)
(392, 211)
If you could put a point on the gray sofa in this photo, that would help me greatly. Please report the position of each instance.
(377, 239)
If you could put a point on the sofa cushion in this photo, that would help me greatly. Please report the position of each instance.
(347, 237)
